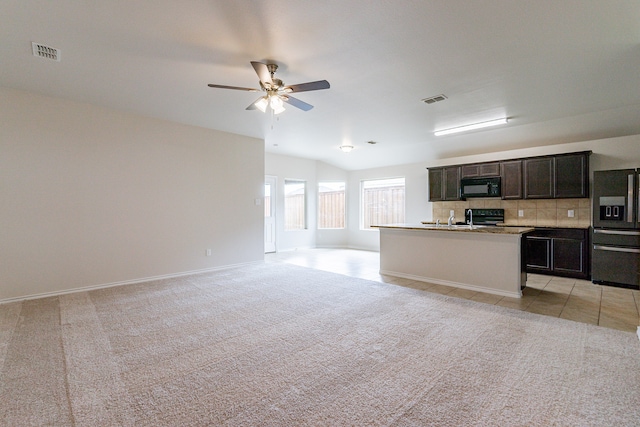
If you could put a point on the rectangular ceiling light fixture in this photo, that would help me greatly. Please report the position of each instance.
(471, 127)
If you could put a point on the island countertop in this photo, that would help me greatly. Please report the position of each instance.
(460, 228)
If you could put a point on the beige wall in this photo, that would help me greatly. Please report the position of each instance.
(91, 196)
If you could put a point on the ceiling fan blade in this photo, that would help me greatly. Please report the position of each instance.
(304, 87)
(263, 73)
(248, 89)
(297, 103)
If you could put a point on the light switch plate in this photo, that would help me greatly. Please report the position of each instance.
(570, 213)
(520, 213)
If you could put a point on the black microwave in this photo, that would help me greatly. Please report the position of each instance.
(480, 187)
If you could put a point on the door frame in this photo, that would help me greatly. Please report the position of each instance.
(270, 223)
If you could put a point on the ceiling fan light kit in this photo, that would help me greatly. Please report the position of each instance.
(277, 91)
(276, 104)
(262, 104)
(472, 126)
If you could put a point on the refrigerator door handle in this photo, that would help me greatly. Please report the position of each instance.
(616, 249)
(638, 202)
(630, 184)
(616, 232)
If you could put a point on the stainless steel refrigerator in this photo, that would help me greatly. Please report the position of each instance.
(616, 228)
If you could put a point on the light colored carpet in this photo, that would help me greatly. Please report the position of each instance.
(279, 345)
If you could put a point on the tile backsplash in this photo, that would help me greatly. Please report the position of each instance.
(540, 213)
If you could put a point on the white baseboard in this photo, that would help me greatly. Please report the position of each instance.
(122, 283)
(297, 248)
(364, 248)
(453, 284)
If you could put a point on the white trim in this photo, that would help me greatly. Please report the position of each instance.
(273, 221)
(453, 284)
(295, 248)
(124, 282)
(363, 248)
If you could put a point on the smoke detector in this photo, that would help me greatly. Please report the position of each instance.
(46, 52)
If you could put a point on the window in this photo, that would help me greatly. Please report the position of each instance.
(295, 205)
(382, 202)
(331, 212)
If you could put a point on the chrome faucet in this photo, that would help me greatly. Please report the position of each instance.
(438, 222)
(451, 219)
(470, 218)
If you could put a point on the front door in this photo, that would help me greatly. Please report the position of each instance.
(270, 213)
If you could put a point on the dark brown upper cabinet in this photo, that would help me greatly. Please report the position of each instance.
(444, 183)
(480, 170)
(436, 184)
(452, 183)
(511, 179)
(539, 174)
(561, 176)
(572, 176)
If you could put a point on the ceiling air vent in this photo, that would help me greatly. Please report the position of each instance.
(434, 99)
(42, 51)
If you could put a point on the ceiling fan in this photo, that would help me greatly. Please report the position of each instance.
(277, 91)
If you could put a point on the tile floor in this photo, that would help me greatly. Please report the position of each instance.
(572, 299)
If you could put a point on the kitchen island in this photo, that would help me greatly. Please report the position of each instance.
(480, 258)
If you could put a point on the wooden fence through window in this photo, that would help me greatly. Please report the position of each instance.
(294, 212)
(331, 209)
(384, 205)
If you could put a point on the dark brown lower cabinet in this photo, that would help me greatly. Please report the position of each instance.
(559, 252)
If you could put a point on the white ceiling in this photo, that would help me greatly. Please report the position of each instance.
(561, 70)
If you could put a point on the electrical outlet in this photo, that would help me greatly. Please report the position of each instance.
(520, 213)
(570, 213)
(208, 252)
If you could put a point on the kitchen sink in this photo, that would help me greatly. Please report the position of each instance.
(453, 227)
